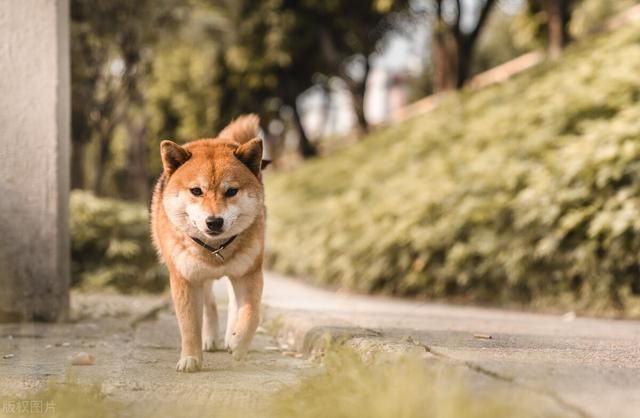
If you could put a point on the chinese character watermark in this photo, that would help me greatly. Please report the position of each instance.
(34, 406)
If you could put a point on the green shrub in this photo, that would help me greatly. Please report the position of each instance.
(526, 192)
(111, 246)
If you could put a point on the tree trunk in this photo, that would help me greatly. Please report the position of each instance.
(135, 184)
(358, 90)
(557, 17)
(465, 51)
(78, 153)
(102, 159)
(305, 147)
(454, 48)
(327, 103)
(445, 65)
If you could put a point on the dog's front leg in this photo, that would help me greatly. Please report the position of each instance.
(187, 300)
(232, 313)
(210, 318)
(248, 292)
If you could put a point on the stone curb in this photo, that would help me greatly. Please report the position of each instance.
(308, 335)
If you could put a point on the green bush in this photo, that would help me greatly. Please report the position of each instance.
(524, 193)
(111, 246)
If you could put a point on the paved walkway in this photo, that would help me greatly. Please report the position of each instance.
(588, 367)
(135, 341)
(570, 367)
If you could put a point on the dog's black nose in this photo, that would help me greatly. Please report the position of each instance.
(215, 223)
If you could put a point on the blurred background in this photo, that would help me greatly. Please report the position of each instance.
(482, 151)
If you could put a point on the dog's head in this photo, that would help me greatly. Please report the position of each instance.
(213, 187)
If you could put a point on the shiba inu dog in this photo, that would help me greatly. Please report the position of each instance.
(207, 221)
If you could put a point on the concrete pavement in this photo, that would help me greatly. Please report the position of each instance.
(554, 365)
(586, 367)
(135, 342)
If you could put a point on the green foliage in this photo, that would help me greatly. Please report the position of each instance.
(589, 15)
(111, 246)
(522, 193)
(182, 98)
(112, 43)
(273, 49)
(496, 45)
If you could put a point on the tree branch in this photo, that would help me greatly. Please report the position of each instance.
(456, 23)
(439, 10)
(484, 14)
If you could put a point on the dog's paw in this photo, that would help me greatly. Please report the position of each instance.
(209, 344)
(238, 347)
(188, 364)
(227, 341)
(238, 355)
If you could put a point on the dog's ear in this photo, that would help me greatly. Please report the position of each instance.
(250, 153)
(173, 156)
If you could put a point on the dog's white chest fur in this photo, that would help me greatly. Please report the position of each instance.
(194, 269)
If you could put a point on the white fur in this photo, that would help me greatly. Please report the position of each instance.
(210, 319)
(232, 314)
(193, 269)
(191, 217)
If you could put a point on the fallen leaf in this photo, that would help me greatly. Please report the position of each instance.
(82, 359)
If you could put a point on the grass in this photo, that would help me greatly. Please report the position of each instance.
(348, 387)
(406, 387)
(525, 193)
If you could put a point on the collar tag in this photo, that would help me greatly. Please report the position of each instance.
(220, 256)
(214, 251)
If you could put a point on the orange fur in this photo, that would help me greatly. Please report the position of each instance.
(242, 129)
(230, 161)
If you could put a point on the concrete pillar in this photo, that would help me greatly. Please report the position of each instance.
(34, 160)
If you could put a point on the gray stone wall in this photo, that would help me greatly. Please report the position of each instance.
(34, 159)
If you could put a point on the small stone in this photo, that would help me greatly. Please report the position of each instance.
(482, 336)
(569, 316)
(82, 359)
(271, 348)
(8, 356)
(65, 344)
(48, 346)
(289, 353)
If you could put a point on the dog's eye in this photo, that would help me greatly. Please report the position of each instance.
(196, 191)
(232, 191)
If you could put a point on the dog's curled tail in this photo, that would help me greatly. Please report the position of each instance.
(242, 129)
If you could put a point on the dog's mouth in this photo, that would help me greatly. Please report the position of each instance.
(215, 233)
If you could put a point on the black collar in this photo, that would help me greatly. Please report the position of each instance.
(214, 251)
